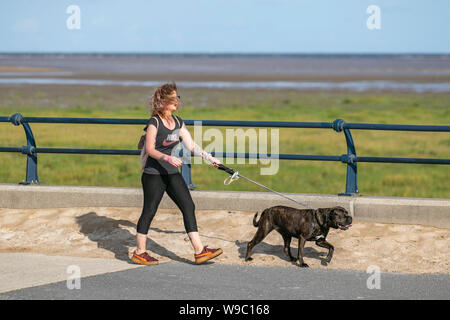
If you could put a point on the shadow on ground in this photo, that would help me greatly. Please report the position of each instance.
(109, 234)
(277, 250)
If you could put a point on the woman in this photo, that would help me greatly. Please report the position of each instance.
(161, 174)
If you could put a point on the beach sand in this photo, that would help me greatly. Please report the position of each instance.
(110, 233)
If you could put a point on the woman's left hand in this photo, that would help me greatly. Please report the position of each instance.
(215, 162)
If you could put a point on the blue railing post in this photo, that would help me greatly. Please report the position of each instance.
(351, 184)
(186, 174)
(186, 167)
(29, 150)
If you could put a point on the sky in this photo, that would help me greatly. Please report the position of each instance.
(225, 26)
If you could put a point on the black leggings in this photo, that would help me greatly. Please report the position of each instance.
(154, 186)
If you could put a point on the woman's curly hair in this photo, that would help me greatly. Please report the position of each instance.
(160, 98)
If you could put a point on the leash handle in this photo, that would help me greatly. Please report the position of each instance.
(226, 169)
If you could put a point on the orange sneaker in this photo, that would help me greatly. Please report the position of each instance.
(207, 254)
(144, 259)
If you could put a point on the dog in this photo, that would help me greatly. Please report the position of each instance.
(306, 225)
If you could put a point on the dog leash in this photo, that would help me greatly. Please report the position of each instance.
(234, 175)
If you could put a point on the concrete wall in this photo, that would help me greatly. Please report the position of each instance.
(432, 212)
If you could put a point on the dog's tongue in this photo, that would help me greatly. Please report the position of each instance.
(345, 227)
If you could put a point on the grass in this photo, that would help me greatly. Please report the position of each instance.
(409, 180)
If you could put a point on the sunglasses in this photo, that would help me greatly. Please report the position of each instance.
(174, 99)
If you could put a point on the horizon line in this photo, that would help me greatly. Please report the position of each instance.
(217, 53)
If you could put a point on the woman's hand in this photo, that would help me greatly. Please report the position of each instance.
(215, 162)
(174, 161)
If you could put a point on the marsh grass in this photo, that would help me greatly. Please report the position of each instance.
(408, 180)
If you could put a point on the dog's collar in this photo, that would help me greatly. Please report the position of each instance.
(317, 219)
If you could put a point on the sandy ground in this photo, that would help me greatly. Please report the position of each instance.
(110, 233)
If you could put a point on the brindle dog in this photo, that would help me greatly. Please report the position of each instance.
(306, 225)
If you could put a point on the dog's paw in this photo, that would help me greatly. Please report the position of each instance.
(249, 259)
(304, 265)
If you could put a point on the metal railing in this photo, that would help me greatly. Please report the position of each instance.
(339, 125)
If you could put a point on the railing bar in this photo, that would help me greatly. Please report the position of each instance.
(10, 149)
(241, 123)
(275, 124)
(403, 160)
(397, 127)
(88, 151)
(242, 155)
(84, 120)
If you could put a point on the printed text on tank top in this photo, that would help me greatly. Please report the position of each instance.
(169, 140)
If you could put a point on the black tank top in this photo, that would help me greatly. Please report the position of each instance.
(166, 141)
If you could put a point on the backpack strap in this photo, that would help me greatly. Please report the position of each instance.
(157, 122)
(141, 143)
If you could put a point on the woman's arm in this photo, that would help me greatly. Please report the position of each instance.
(194, 148)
